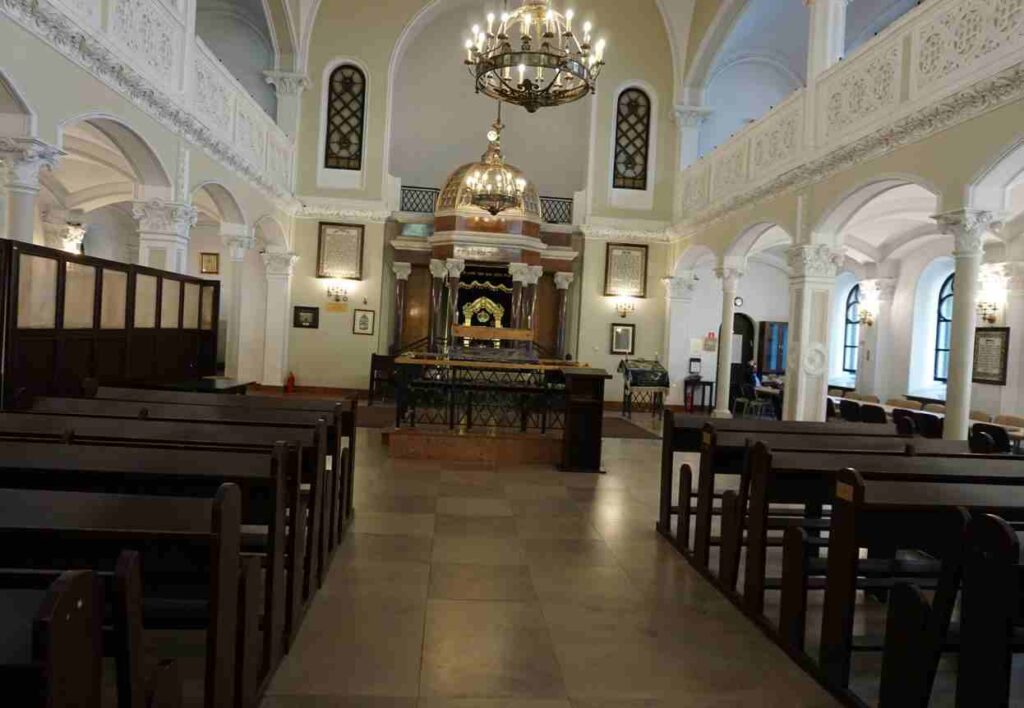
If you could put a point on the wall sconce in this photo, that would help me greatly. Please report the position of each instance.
(867, 317)
(987, 311)
(625, 307)
(337, 293)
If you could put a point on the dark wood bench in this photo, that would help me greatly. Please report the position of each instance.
(119, 607)
(51, 643)
(210, 437)
(189, 549)
(270, 505)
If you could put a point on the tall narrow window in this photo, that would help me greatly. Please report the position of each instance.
(346, 111)
(851, 334)
(632, 140)
(943, 330)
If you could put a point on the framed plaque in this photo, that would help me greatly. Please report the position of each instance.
(625, 270)
(623, 339)
(339, 251)
(363, 322)
(306, 317)
(209, 263)
(991, 346)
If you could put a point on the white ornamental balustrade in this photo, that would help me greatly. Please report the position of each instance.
(941, 63)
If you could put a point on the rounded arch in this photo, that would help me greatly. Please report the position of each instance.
(750, 237)
(269, 230)
(691, 257)
(841, 211)
(17, 119)
(989, 189)
(703, 58)
(228, 209)
(146, 166)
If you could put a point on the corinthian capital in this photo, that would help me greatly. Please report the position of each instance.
(691, 116)
(280, 264)
(164, 218)
(680, 287)
(455, 266)
(968, 228)
(518, 271)
(1014, 272)
(24, 158)
(401, 270)
(564, 280)
(287, 83)
(814, 261)
(730, 276)
(533, 275)
(879, 289)
(438, 269)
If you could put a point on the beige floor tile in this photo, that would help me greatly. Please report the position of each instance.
(560, 553)
(475, 526)
(369, 548)
(598, 585)
(492, 703)
(394, 524)
(564, 527)
(377, 580)
(467, 506)
(293, 701)
(485, 551)
(536, 491)
(546, 507)
(380, 502)
(481, 582)
(471, 490)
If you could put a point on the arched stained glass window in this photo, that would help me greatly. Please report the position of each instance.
(346, 113)
(632, 140)
(851, 333)
(943, 330)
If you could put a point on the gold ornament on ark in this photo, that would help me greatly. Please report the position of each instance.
(494, 187)
(533, 57)
(484, 310)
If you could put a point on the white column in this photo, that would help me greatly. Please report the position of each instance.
(1013, 392)
(827, 42)
(279, 287)
(813, 271)
(63, 229)
(24, 159)
(730, 276)
(237, 239)
(968, 228)
(289, 87)
(689, 119)
(164, 233)
(678, 296)
(876, 298)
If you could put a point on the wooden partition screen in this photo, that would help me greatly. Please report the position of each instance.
(68, 317)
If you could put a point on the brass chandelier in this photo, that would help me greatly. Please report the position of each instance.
(494, 187)
(532, 57)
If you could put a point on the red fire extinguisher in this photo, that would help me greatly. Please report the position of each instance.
(289, 384)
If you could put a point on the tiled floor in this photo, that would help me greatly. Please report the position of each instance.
(463, 587)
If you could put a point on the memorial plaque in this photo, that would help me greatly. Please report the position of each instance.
(991, 346)
(625, 270)
(339, 252)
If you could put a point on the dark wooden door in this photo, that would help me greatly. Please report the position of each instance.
(417, 306)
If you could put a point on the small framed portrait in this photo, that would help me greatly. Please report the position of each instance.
(625, 270)
(339, 251)
(695, 365)
(991, 349)
(364, 322)
(306, 317)
(209, 263)
(623, 339)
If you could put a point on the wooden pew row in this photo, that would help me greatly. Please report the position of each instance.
(189, 551)
(118, 607)
(345, 411)
(51, 643)
(684, 433)
(254, 418)
(204, 436)
(270, 504)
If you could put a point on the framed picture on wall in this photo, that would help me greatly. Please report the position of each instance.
(623, 339)
(209, 263)
(306, 317)
(991, 346)
(625, 270)
(363, 322)
(339, 251)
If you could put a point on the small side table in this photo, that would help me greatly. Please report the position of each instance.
(707, 394)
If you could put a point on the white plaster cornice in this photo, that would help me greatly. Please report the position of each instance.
(286, 83)
(372, 212)
(475, 238)
(405, 243)
(559, 254)
(626, 230)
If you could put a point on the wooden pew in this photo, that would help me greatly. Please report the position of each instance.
(190, 551)
(684, 433)
(269, 497)
(926, 515)
(51, 643)
(168, 412)
(203, 436)
(119, 607)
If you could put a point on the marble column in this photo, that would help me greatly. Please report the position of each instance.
(876, 297)
(518, 271)
(280, 267)
(23, 160)
(438, 274)
(827, 42)
(533, 276)
(812, 280)
(163, 233)
(562, 283)
(678, 296)
(454, 266)
(289, 87)
(968, 228)
(402, 272)
(237, 240)
(730, 275)
(1013, 392)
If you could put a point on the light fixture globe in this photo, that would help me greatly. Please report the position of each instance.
(532, 57)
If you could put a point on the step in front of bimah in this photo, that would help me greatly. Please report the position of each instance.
(494, 446)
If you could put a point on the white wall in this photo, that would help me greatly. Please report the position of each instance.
(110, 231)
(439, 122)
(739, 93)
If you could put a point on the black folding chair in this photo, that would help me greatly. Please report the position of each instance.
(870, 413)
(849, 410)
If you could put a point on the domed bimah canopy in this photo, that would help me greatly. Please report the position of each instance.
(533, 58)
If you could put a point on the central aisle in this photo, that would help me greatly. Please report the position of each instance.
(466, 587)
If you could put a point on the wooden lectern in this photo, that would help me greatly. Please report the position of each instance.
(584, 416)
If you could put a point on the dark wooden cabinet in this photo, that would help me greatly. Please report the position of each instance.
(584, 414)
(772, 347)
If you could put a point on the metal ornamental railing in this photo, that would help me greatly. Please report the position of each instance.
(423, 200)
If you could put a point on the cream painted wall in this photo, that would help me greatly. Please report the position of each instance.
(332, 355)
